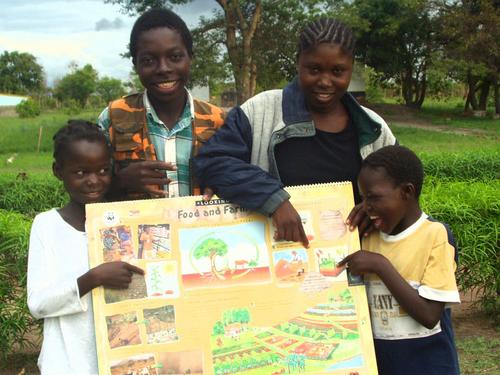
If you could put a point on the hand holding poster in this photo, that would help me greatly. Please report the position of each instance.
(220, 296)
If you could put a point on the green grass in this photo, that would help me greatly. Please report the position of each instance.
(479, 355)
(420, 140)
(26, 162)
(21, 135)
(451, 113)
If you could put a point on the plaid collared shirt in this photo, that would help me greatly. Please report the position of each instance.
(173, 146)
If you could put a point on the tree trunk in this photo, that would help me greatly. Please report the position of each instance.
(422, 92)
(483, 94)
(240, 54)
(253, 79)
(496, 96)
(215, 272)
(471, 95)
(406, 83)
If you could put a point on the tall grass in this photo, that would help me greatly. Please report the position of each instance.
(21, 135)
(472, 209)
(32, 194)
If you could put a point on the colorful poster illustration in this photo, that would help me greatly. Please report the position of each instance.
(220, 296)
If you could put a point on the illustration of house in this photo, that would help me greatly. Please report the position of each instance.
(233, 330)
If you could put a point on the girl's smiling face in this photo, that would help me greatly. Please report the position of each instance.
(324, 75)
(85, 171)
(388, 205)
(162, 63)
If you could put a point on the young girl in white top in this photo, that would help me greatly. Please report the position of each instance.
(59, 279)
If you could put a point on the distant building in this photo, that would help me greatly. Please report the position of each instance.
(357, 86)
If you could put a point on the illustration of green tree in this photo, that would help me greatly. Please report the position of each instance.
(245, 316)
(211, 248)
(218, 328)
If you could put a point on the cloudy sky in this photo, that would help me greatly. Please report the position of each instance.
(58, 32)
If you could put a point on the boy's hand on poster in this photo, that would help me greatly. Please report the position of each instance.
(115, 275)
(363, 261)
(145, 176)
(359, 218)
(288, 224)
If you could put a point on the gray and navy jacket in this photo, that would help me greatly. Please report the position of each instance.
(238, 162)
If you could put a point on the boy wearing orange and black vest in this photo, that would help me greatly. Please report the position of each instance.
(155, 134)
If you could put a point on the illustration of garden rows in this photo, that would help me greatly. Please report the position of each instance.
(323, 338)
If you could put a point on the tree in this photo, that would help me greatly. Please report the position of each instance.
(398, 42)
(20, 73)
(77, 85)
(470, 35)
(109, 88)
(218, 328)
(211, 248)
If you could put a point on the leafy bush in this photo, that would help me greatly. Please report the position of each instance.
(472, 209)
(27, 109)
(15, 319)
(72, 107)
(31, 194)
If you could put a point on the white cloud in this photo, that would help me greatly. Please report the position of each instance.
(58, 32)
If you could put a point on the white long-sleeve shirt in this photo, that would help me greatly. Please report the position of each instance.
(58, 255)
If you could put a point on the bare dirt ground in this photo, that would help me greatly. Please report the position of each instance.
(468, 321)
(407, 117)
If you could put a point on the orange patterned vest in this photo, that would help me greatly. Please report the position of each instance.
(128, 131)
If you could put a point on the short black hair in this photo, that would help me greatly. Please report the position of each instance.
(76, 130)
(159, 17)
(400, 164)
(326, 30)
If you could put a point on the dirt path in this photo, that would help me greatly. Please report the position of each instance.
(406, 117)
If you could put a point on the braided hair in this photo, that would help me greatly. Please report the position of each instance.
(400, 164)
(159, 17)
(76, 130)
(326, 30)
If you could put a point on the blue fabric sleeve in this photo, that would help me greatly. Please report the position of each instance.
(223, 164)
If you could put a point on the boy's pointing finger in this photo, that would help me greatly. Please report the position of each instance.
(345, 260)
(135, 269)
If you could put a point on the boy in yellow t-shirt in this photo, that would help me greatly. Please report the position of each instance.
(409, 268)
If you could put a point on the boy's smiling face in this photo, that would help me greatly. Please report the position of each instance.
(163, 64)
(390, 206)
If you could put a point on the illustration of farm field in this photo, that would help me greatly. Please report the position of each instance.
(290, 265)
(123, 330)
(324, 338)
(160, 324)
(140, 364)
(226, 257)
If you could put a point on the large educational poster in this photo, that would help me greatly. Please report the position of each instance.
(221, 296)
